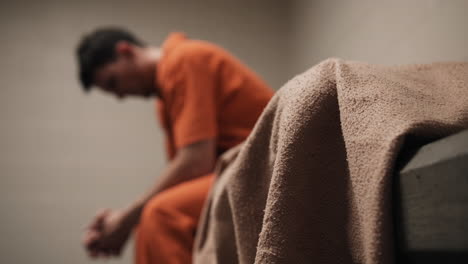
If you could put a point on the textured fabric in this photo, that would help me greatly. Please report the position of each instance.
(206, 94)
(168, 223)
(312, 183)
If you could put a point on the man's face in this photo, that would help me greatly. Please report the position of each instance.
(125, 76)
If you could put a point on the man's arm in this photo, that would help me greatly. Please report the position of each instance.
(190, 162)
(110, 230)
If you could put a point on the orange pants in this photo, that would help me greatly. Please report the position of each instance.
(166, 231)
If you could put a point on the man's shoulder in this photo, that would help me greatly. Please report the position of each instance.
(195, 50)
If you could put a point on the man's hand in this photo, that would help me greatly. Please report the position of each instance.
(107, 233)
(109, 230)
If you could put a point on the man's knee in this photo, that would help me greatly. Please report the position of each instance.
(155, 210)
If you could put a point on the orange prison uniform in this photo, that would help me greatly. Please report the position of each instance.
(206, 94)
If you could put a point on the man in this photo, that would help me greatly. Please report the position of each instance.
(207, 102)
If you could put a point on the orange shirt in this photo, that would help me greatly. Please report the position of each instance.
(206, 94)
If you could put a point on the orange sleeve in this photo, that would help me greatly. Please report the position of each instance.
(194, 105)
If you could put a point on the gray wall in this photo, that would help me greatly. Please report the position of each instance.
(384, 32)
(64, 154)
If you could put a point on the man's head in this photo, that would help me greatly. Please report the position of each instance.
(114, 60)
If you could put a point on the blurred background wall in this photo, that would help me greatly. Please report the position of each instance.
(65, 154)
(383, 32)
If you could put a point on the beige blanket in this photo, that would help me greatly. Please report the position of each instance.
(312, 184)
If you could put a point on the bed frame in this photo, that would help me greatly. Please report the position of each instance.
(431, 202)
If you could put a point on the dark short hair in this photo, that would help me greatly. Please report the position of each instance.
(97, 49)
